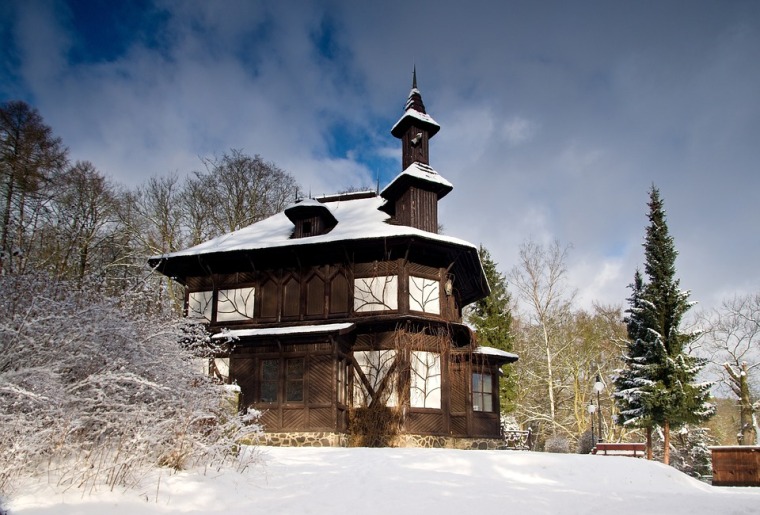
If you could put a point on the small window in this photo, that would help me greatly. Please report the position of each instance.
(294, 380)
(306, 230)
(482, 392)
(270, 371)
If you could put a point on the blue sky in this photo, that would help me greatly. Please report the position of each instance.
(556, 116)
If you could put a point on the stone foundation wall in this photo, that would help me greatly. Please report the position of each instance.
(314, 439)
(324, 439)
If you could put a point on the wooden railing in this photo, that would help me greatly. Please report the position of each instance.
(518, 440)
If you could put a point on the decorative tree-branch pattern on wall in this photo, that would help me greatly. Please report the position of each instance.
(235, 304)
(424, 295)
(375, 379)
(199, 305)
(425, 391)
(378, 293)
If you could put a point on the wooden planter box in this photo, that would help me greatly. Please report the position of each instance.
(736, 465)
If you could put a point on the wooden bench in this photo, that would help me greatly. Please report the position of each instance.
(633, 449)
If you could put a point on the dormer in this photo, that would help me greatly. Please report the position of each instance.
(414, 194)
(310, 217)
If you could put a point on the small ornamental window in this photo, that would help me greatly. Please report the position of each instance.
(424, 295)
(378, 293)
(199, 305)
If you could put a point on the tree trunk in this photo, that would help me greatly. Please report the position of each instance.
(747, 434)
(549, 377)
(666, 443)
(649, 444)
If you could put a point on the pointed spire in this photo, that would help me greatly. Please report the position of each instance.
(415, 109)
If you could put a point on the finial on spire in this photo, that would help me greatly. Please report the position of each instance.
(414, 77)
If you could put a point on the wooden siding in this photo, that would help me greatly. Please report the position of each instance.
(736, 465)
(418, 208)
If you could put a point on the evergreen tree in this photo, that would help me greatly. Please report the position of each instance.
(639, 361)
(492, 319)
(658, 384)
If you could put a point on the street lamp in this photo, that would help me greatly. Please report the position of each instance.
(591, 410)
(598, 387)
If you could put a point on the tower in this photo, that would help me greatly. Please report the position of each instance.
(413, 195)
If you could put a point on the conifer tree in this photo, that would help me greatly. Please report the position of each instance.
(492, 319)
(658, 384)
(639, 361)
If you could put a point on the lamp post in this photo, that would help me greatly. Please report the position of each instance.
(591, 410)
(598, 387)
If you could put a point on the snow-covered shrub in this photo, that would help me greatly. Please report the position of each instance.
(586, 443)
(94, 390)
(557, 444)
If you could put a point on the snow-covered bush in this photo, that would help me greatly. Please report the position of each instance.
(557, 444)
(94, 390)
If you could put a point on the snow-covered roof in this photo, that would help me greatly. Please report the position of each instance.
(358, 219)
(283, 331)
(490, 351)
(422, 171)
(413, 113)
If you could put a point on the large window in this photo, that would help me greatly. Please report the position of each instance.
(482, 391)
(199, 304)
(235, 304)
(425, 389)
(375, 380)
(424, 295)
(378, 293)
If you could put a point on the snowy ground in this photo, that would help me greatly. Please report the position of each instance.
(400, 481)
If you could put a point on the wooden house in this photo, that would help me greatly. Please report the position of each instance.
(340, 318)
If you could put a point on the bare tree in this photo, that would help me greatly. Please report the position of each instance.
(29, 153)
(238, 190)
(733, 341)
(539, 281)
(82, 221)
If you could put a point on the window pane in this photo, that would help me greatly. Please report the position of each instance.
(423, 295)
(294, 384)
(375, 365)
(376, 293)
(235, 304)
(425, 388)
(487, 383)
(270, 370)
(199, 305)
(487, 402)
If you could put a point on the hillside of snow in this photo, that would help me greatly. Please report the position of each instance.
(399, 481)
